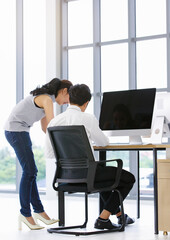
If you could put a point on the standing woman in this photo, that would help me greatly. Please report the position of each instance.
(37, 106)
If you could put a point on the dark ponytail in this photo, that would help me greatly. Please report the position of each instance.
(52, 87)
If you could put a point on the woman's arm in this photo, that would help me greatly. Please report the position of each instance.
(44, 124)
(45, 102)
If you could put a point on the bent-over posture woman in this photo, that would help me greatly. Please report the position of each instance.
(37, 106)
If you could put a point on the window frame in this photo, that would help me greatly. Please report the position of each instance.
(97, 44)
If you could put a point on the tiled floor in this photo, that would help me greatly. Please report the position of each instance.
(143, 229)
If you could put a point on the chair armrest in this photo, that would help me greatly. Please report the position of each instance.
(91, 175)
(118, 172)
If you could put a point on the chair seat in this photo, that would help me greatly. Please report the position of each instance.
(82, 187)
(70, 187)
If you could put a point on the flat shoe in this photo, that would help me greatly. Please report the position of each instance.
(128, 220)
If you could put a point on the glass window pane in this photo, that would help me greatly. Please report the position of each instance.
(8, 89)
(151, 64)
(114, 67)
(146, 173)
(80, 70)
(80, 62)
(114, 19)
(34, 44)
(80, 25)
(35, 70)
(150, 17)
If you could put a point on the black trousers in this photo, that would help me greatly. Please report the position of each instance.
(105, 174)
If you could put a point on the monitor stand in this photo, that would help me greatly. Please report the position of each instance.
(157, 130)
(135, 140)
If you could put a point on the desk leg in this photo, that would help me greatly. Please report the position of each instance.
(155, 190)
(138, 186)
(102, 156)
(61, 211)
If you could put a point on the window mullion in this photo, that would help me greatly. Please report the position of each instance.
(96, 57)
(64, 41)
(132, 43)
(19, 51)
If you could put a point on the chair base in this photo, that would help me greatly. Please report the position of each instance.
(63, 230)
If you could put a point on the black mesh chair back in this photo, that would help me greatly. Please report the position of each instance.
(73, 153)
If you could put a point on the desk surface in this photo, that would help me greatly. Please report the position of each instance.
(131, 146)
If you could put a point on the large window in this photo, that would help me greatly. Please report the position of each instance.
(128, 49)
(116, 44)
(23, 68)
(8, 90)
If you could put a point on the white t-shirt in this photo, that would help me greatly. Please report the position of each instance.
(74, 116)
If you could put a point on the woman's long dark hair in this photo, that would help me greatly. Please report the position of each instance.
(52, 87)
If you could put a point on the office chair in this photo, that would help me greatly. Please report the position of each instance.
(75, 171)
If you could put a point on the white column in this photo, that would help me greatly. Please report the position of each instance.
(53, 69)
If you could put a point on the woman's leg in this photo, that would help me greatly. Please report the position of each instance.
(22, 145)
(35, 199)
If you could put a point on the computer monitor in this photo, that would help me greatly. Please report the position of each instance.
(161, 118)
(128, 113)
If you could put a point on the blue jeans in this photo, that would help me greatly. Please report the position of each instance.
(28, 192)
